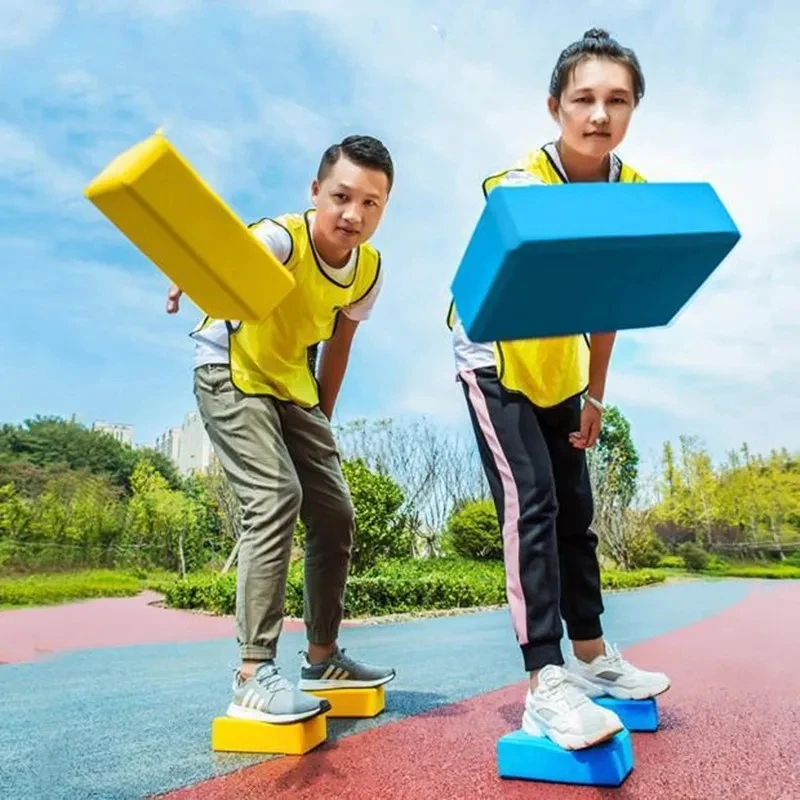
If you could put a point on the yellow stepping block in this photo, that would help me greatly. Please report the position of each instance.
(155, 197)
(353, 702)
(247, 736)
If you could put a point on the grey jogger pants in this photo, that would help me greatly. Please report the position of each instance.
(282, 462)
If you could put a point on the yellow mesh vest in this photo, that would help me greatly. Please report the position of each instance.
(547, 371)
(271, 357)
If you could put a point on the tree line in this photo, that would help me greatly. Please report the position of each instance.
(72, 497)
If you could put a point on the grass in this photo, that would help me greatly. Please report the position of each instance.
(391, 588)
(51, 589)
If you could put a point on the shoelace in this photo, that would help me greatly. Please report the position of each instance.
(271, 679)
(559, 682)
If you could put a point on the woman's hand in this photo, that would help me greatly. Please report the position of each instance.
(591, 422)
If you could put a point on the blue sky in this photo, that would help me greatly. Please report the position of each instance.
(253, 92)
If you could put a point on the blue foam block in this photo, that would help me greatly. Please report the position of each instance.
(584, 257)
(520, 755)
(635, 715)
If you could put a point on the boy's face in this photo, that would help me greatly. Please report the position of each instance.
(595, 107)
(350, 202)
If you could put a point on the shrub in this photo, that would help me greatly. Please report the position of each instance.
(671, 562)
(716, 563)
(645, 550)
(473, 531)
(695, 558)
(380, 531)
(392, 587)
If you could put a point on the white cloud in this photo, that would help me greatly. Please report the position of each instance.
(25, 22)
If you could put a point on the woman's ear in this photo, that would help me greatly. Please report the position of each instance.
(552, 107)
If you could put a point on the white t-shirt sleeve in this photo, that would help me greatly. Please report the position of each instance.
(276, 238)
(362, 309)
(519, 177)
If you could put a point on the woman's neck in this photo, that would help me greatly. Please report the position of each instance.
(581, 168)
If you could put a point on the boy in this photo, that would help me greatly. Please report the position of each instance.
(267, 416)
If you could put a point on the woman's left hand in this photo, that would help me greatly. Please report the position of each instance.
(591, 422)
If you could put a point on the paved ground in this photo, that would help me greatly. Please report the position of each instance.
(133, 720)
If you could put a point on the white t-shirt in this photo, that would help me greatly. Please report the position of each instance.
(211, 343)
(471, 355)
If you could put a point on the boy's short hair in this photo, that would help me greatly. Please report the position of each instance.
(366, 151)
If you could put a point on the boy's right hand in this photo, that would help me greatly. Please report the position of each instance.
(173, 299)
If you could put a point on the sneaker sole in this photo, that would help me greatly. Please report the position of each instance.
(575, 742)
(629, 694)
(308, 684)
(238, 712)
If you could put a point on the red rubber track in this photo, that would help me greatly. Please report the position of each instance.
(729, 729)
(30, 633)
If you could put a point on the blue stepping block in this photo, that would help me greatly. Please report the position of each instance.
(585, 257)
(635, 715)
(534, 758)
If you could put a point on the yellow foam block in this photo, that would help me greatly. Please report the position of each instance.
(246, 736)
(155, 197)
(353, 702)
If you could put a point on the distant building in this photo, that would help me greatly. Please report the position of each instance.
(169, 443)
(187, 445)
(122, 433)
(195, 449)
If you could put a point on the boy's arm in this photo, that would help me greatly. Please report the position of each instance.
(333, 363)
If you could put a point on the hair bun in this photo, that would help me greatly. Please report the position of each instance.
(596, 33)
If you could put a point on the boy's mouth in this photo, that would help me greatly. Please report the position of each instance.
(597, 134)
(347, 231)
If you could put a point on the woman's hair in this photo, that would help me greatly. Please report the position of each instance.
(596, 43)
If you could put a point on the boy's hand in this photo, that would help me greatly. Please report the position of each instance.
(173, 299)
(591, 422)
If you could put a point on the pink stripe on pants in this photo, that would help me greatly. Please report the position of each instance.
(516, 600)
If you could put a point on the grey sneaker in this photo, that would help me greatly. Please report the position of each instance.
(268, 697)
(342, 672)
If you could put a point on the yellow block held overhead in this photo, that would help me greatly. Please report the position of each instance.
(155, 197)
(246, 736)
(353, 702)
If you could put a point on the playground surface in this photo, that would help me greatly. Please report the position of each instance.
(114, 699)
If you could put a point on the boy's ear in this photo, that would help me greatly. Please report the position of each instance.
(314, 192)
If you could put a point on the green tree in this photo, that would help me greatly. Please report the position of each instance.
(44, 441)
(615, 459)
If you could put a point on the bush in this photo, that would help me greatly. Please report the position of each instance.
(645, 551)
(671, 562)
(695, 558)
(716, 563)
(392, 587)
(473, 531)
(380, 532)
(793, 560)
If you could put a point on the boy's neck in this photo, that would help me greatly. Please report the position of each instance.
(335, 260)
(580, 168)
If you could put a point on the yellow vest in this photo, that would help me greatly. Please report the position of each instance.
(547, 371)
(271, 357)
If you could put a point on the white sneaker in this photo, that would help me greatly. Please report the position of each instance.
(611, 674)
(562, 712)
